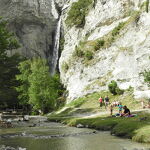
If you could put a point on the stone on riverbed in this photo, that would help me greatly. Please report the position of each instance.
(80, 126)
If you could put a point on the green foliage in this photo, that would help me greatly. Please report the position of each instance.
(147, 6)
(114, 89)
(88, 55)
(146, 75)
(8, 66)
(25, 70)
(130, 127)
(119, 91)
(65, 67)
(78, 52)
(61, 44)
(38, 88)
(78, 102)
(117, 29)
(78, 12)
(99, 44)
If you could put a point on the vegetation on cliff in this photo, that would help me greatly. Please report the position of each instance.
(78, 12)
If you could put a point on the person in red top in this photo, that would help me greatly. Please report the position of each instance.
(101, 101)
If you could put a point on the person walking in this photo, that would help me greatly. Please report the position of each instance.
(106, 101)
(101, 101)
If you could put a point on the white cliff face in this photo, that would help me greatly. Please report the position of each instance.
(122, 61)
(34, 22)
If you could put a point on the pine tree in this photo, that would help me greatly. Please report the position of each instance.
(8, 66)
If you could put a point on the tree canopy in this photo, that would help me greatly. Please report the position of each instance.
(8, 66)
(38, 88)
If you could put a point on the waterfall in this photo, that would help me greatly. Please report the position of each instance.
(56, 47)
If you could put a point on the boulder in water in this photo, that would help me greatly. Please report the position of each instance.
(80, 126)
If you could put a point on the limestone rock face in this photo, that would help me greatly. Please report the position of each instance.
(34, 22)
(123, 60)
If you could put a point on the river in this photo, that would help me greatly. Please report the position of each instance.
(38, 134)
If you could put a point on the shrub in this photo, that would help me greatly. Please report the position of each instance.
(114, 89)
(88, 55)
(146, 75)
(78, 52)
(77, 13)
(99, 44)
(117, 29)
(119, 91)
(147, 6)
(65, 67)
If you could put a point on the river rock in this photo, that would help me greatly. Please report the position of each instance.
(80, 126)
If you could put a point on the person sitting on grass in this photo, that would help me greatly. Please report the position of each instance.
(126, 112)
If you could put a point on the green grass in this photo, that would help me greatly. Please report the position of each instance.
(132, 128)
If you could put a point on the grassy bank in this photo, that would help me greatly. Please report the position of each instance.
(136, 128)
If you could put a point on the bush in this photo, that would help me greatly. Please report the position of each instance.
(65, 67)
(114, 89)
(147, 6)
(88, 55)
(146, 75)
(78, 52)
(99, 44)
(117, 29)
(119, 91)
(77, 13)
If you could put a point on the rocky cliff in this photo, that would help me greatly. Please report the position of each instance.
(112, 44)
(102, 40)
(34, 22)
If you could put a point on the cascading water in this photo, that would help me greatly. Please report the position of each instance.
(56, 47)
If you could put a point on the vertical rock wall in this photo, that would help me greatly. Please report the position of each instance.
(34, 22)
(123, 60)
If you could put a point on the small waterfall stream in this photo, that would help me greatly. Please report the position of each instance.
(56, 47)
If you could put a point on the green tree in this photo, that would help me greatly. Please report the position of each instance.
(25, 70)
(38, 88)
(8, 66)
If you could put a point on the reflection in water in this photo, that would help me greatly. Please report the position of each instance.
(69, 139)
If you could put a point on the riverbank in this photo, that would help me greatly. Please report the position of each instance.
(135, 128)
(85, 112)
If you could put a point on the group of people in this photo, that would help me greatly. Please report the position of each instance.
(111, 106)
(105, 101)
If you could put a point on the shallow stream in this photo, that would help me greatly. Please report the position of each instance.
(38, 134)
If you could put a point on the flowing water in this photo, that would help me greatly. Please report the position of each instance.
(56, 47)
(38, 134)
